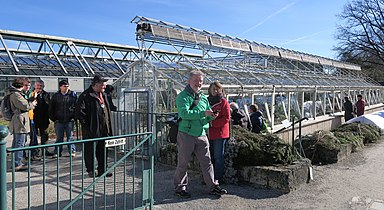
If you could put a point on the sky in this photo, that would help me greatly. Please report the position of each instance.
(307, 26)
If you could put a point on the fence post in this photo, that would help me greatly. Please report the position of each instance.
(3, 167)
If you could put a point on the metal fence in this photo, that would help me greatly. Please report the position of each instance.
(63, 183)
(136, 122)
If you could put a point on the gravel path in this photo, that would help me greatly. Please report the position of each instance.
(356, 183)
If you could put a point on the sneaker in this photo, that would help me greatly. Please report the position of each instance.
(36, 158)
(48, 153)
(182, 194)
(217, 190)
(91, 174)
(24, 161)
(109, 174)
(21, 167)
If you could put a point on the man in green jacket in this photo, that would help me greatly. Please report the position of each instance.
(195, 113)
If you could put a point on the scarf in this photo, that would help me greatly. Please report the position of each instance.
(196, 96)
(214, 99)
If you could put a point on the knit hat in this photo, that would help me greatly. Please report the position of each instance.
(63, 82)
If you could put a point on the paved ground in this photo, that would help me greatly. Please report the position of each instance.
(357, 183)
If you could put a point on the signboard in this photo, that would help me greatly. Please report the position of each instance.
(115, 142)
(286, 123)
(50, 84)
(76, 84)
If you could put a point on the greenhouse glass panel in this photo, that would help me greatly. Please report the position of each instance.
(281, 107)
(308, 101)
(320, 104)
(295, 107)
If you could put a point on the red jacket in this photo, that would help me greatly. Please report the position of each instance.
(360, 107)
(219, 127)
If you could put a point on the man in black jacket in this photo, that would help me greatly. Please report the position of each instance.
(93, 112)
(41, 113)
(256, 118)
(348, 109)
(62, 113)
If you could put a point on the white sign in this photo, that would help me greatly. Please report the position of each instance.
(286, 123)
(114, 142)
(50, 84)
(76, 84)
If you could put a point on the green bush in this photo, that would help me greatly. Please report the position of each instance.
(261, 149)
(356, 134)
(369, 133)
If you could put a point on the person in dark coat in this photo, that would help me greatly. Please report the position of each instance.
(41, 113)
(93, 112)
(62, 113)
(256, 118)
(348, 109)
(239, 117)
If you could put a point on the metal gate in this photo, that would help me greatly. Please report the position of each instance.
(63, 183)
(135, 114)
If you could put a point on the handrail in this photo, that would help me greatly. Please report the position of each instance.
(295, 122)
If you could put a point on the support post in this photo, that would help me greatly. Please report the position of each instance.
(293, 130)
(273, 107)
(3, 167)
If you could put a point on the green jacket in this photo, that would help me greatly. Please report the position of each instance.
(193, 122)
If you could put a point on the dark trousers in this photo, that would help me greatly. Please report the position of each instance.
(36, 129)
(89, 155)
(43, 131)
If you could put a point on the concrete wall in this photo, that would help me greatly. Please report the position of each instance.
(325, 123)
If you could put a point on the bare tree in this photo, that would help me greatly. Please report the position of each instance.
(361, 36)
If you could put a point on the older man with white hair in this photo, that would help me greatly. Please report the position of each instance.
(195, 113)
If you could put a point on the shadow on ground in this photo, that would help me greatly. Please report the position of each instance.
(164, 188)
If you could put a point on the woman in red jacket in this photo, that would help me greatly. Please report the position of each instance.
(219, 128)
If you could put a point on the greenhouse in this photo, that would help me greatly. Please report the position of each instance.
(282, 82)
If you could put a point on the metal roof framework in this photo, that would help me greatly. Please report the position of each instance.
(42, 55)
(246, 64)
(277, 79)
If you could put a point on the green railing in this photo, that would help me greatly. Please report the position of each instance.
(63, 183)
(3, 167)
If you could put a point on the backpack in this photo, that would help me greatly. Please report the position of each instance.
(173, 128)
(6, 110)
(174, 125)
(264, 126)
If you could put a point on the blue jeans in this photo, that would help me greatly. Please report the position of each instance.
(216, 148)
(19, 142)
(60, 128)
